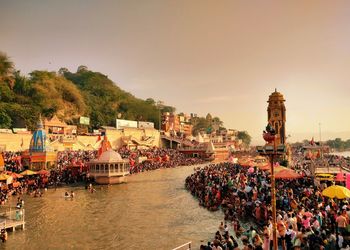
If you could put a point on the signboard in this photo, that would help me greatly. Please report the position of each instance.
(146, 125)
(125, 124)
(84, 120)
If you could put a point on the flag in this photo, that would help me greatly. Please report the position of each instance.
(312, 142)
(22, 143)
(98, 138)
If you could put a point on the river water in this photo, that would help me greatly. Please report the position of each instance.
(151, 211)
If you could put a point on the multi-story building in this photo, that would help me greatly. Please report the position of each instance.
(176, 124)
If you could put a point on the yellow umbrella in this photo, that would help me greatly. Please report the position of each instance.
(4, 177)
(336, 191)
(28, 172)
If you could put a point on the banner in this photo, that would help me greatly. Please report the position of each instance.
(84, 120)
(125, 124)
(146, 125)
(348, 181)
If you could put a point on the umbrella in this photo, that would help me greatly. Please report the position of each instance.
(336, 191)
(287, 174)
(43, 172)
(14, 175)
(251, 170)
(4, 177)
(2, 162)
(28, 172)
(278, 168)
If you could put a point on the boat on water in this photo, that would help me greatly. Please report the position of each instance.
(109, 168)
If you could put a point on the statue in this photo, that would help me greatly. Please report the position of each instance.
(269, 134)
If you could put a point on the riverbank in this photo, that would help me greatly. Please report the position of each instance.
(152, 211)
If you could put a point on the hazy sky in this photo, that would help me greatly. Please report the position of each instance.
(222, 57)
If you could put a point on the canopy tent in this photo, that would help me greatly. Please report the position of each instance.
(340, 177)
(287, 174)
(336, 191)
(4, 177)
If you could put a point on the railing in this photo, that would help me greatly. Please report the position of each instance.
(10, 218)
(186, 246)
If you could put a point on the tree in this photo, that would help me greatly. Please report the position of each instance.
(63, 71)
(5, 120)
(6, 70)
(245, 137)
(82, 68)
(150, 101)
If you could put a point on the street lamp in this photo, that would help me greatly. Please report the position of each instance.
(272, 151)
(160, 104)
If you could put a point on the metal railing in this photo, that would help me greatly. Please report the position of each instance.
(186, 246)
(13, 216)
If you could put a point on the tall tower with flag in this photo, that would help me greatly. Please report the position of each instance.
(276, 112)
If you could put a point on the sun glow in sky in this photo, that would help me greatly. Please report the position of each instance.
(218, 57)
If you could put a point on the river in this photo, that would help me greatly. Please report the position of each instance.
(152, 211)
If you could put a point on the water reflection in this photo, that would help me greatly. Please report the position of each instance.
(152, 211)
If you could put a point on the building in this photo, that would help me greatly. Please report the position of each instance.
(55, 126)
(39, 156)
(276, 113)
(176, 124)
(109, 167)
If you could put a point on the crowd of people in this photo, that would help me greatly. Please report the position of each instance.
(155, 158)
(305, 218)
(72, 168)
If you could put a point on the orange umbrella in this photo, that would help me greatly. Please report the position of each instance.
(287, 174)
(43, 172)
(2, 162)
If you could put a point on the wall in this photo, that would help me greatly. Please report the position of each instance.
(12, 142)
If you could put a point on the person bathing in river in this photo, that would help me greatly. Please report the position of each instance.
(72, 194)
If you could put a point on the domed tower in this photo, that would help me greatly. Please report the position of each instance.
(38, 141)
(276, 112)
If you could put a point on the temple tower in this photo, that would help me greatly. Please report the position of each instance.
(276, 112)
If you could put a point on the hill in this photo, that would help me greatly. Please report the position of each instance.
(68, 95)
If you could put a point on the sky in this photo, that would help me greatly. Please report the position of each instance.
(218, 57)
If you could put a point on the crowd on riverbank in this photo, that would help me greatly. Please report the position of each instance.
(72, 168)
(305, 218)
(142, 160)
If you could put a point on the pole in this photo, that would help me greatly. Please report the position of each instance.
(159, 123)
(273, 200)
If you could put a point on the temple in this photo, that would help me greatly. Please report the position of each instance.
(39, 156)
